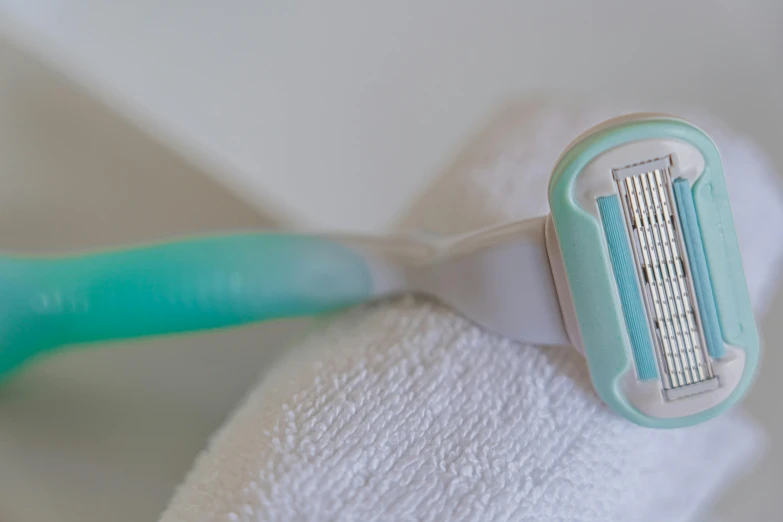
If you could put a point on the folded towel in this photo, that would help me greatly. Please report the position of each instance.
(402, 410)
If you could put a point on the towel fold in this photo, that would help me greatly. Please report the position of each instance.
(402, 410)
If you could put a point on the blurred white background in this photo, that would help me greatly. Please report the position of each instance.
(125, 121)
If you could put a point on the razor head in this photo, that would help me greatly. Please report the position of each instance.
(648, 270)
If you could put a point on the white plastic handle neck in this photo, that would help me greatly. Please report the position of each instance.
(498, 277)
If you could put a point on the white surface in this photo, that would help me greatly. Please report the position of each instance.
(335, 114)
(408, 412)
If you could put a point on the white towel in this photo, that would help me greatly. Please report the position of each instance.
(402, 410)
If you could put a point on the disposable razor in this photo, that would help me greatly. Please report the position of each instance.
(637, 266)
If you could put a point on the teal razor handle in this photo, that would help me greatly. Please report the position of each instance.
(183, 286)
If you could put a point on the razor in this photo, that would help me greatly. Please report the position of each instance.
(637, 266)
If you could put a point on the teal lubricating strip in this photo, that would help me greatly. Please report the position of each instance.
(735, 315)
(698, 265)
(628, 286)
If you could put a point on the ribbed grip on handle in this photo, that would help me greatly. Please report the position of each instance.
(184, 286)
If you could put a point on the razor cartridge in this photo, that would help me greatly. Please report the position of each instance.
(648, 270)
